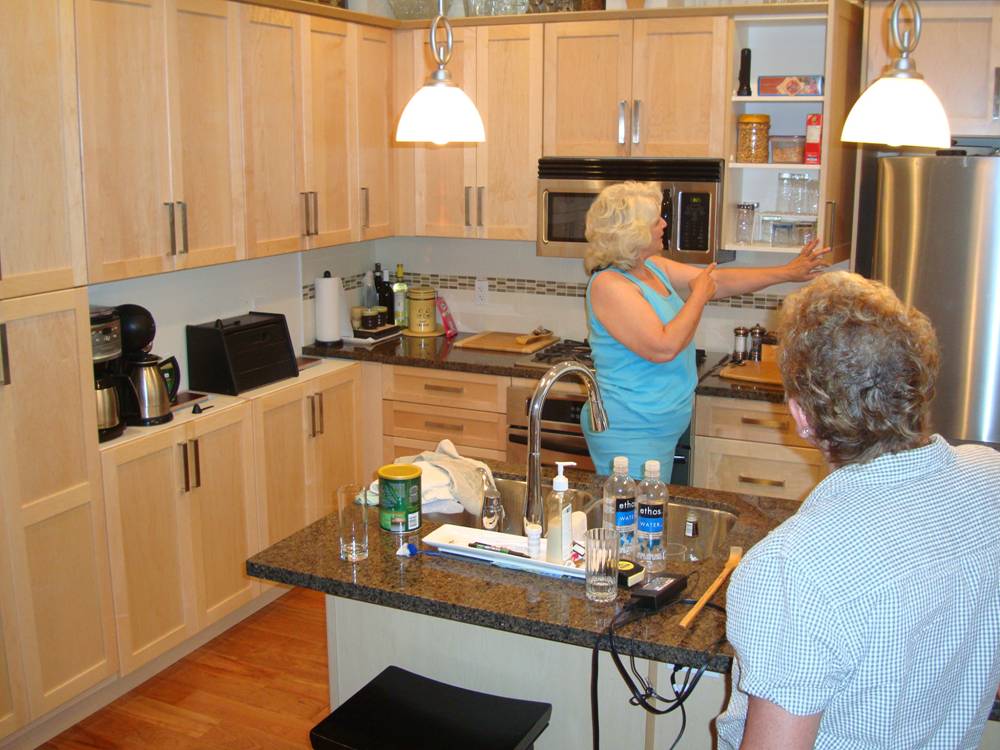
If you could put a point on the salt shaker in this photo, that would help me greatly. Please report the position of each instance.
(741, 338)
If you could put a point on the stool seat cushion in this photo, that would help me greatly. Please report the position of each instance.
(400, 709)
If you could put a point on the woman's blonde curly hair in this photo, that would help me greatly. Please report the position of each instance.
(861, 364)
(619, 225)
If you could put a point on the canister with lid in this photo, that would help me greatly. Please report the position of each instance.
(420, 300)
(751, 138)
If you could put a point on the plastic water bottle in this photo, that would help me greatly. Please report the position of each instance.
(651, 501)
(619, 506)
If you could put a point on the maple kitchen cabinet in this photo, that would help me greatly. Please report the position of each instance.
(162, 135)
(486, 190)
(41, 194)
(57, 636)
(653, 87)
(375, 118)
(182, 520)
(958, 55)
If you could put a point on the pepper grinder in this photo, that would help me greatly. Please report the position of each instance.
(744, 89)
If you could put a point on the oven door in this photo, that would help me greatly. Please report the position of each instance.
(556, 446)
(562, 215)
(561, 437)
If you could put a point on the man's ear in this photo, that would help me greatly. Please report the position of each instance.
(801, 420)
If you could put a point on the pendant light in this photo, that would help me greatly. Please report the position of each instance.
(899, 109)
(440, 112)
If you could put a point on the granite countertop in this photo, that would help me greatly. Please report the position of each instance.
(520, 602)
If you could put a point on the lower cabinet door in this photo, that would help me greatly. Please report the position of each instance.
(223, 511)
(146, 491)
(13, 699)
(756, 468)
(335, 451)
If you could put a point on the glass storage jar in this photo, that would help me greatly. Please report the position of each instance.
(751, 138)
(744, 222)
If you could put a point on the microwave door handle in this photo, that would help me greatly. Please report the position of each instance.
(544, 213)
(563, 445)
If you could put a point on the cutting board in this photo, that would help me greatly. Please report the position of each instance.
(499, 341)
(753, 372)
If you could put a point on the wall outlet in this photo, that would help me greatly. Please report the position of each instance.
(482, 292)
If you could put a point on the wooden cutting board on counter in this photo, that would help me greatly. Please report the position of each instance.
(500, 341)
(753, 372)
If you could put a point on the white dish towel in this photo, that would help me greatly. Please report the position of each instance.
(449, 482)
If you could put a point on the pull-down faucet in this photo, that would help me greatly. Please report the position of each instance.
(598, 422)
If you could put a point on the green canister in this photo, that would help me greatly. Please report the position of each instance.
(399, 498)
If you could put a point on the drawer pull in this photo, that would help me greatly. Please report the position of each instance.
(444, 388)
(765, 482)
(778, 424)
(444, 426)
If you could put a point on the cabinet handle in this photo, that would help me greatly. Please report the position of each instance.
(635, 120)
(4, 356)
(173, 229)
(828, 219)
(444, 388)
(197, 462)
(996, 93)
(187, 472)
(765, 482)
(468, 202)
(305, 213)
(321, 422)
(622, 105)
(444, 426)
(778, 424)
(315, 212)
(184, 226)
(312, 416)
(366, 215)
(479, 205)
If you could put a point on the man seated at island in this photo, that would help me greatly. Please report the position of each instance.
(870, 618)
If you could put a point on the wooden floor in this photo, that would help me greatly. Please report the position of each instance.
(261, 684)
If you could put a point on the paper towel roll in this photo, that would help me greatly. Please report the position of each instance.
(329, 303)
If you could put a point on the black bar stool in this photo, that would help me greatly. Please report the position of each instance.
(399, 709)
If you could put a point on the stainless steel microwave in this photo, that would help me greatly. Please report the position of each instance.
(691, 188)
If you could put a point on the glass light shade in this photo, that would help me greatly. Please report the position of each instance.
(898, 112)
(440, 113)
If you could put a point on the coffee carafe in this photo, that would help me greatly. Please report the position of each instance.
(106, 345)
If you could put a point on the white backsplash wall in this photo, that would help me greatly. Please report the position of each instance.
(200, 295)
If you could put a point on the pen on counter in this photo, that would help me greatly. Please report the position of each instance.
(495, 548)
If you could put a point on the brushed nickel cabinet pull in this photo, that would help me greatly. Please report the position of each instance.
(197, 462)
(765, 482)
(184, 226)
(444, 388)
(315, 212)
(173, 229)
(778, 424)
(321, 422)
(1, 269)
(187, 472)
(468, 204)
(828, 228)
(479, 205)
(996, 93)
(621, 122)
(305, 213)
(4, 356)
(635, 120)
(365, 209)
(444, 426)
(312, 416)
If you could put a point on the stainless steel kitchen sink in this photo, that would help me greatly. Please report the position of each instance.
(702, 532)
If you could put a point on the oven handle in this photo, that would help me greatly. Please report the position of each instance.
(568, 445)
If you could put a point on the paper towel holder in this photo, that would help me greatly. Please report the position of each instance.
(332, 343)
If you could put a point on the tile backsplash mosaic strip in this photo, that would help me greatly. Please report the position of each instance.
(534, 286)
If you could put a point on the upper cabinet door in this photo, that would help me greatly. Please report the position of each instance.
(330, 119)
(125, 151)
(588, 88)
(41, 195)
(958, 54)
(373, 68)
(509, 95)
(272, 105)
(206, 131)
(679, 87)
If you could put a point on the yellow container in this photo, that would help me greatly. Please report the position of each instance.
(751, 138)
(399, 493)
(422, 312)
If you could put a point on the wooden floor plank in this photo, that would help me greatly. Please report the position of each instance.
(261, 685)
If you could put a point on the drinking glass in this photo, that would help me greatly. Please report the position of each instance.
(602, 565)
(352, 517)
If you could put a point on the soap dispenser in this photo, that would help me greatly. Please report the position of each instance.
(558, 518)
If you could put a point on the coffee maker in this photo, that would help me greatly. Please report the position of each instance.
(153, 383)
(106, 344)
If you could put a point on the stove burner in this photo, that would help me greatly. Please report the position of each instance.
(567, 349)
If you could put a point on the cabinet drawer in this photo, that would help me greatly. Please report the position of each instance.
(743, 419)
(755, 469)
(445, 388)
(478, 429)
(394, 447)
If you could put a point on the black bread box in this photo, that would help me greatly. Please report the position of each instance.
(238, 354)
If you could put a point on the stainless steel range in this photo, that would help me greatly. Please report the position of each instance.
(567, 349)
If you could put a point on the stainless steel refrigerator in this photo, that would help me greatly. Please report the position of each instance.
(937, 244)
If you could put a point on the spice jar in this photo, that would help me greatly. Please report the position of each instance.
(751, 138)
(741, 340)
(420, 301)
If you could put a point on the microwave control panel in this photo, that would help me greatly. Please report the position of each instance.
(694, 221)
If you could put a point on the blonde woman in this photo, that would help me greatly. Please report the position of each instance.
(641, 330)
